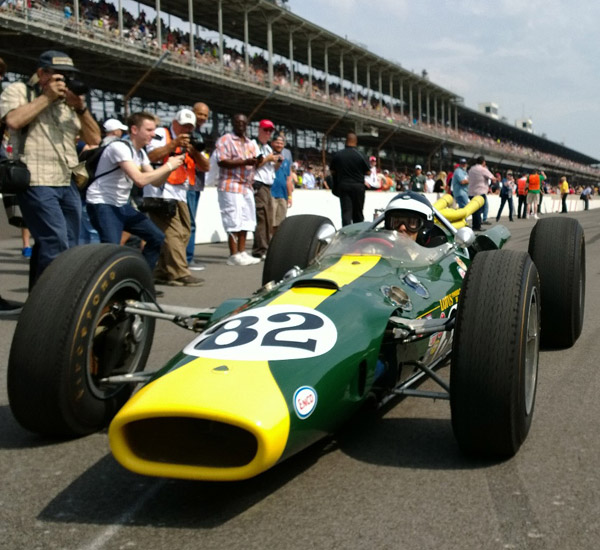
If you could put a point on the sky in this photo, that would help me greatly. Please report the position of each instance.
(537, 59)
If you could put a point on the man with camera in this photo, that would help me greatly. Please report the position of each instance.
(124, 163)
(44, 116)
(167, 204)
(268, 163)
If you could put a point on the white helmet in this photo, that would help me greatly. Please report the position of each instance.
(406, 202)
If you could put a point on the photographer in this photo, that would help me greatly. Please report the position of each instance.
(167, 204)
(122, 165)
(44, 117)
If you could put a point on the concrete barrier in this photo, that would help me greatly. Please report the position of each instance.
(210, 229)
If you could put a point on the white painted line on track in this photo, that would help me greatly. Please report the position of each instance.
(107, 534)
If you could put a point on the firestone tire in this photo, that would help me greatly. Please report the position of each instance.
(72, 333)
(557, 247)
(495, 352)
(296, 243)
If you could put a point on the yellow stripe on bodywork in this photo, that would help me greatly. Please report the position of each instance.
(244, 394)
(345, 271)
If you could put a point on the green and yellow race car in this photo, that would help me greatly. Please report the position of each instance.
(343, 319)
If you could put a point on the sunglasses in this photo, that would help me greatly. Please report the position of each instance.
(411, 224)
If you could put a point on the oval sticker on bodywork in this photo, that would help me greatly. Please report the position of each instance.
(271, 333)
(305, 401)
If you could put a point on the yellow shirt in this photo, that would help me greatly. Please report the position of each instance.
(564, 187)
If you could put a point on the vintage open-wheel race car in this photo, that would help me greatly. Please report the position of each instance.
(344, 318)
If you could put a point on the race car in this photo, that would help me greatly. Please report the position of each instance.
(348, 318)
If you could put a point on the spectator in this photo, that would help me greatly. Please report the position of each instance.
(439, 186)
(534, 188)
(371, 179)
(202, 112)
(564, 193)
(478, 186)
(586, 195)
(459, 184)
(507, 188)
(429, 183)
(308, 178)
(522, 196)
(282, 187)
(113, 129)
(53, 117)
(264, 175)
(349, 167)
(417, 180)
(125, 165)
(174, 219)
(237, 156)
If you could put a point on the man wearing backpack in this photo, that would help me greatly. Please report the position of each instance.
(44, 117)
(121, 165)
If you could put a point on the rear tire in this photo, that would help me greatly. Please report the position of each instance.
(296, 243)
(71, 333)
(557, 247)
(495, 352)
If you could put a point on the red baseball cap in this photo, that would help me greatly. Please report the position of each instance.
(266, 124)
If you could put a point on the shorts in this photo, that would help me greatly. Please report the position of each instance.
(238, 212)
(533, 197)
(280, 207)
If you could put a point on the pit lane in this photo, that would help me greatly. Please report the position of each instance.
(395, 482)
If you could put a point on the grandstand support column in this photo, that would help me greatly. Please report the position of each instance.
(391, 96)
(435, 113)
(326, 64)
(291, 56)
(402, 102)
(427, 103)
(369, 91)
(270, 50)
(380, 93)
(310, 69)
(456, 117)
(443, 113)
(76, 10)
(410, 102)
(158, 25)
(342, 73)
(120, 23)
(355, 89)
(419, 106)
(220, 29)
(192, 44)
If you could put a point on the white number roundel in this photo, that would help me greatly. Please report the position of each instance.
(268, 333)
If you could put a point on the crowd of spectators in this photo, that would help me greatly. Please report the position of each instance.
(99, 19)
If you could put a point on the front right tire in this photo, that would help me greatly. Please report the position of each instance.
(495, 352)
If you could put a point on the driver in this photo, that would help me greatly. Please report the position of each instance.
(411, 214)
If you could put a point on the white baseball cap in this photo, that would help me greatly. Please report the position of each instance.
(113, 124)
(186, 116)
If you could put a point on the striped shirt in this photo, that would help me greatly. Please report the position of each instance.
(240, 178)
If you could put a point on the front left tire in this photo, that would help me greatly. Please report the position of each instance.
(73, 332)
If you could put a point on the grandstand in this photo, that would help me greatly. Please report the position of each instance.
(256, 57)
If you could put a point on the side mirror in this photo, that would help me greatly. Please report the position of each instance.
(326, 233)
(464, 237)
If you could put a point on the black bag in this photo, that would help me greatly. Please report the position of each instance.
(13, 211)
(90, 158)
(160, 207)
(14, 176)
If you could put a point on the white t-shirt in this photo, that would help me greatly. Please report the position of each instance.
(166, 190)
(115, 188)
(266, 173)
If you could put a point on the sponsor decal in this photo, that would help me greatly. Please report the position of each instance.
(305, 401)
(461, 264)
(271, 333)
(449, 300)
(461, 272)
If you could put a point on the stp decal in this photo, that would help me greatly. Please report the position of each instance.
(277, 332)
(305, 401)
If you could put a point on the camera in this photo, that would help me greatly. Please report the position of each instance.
(76, 86)
(197, 141)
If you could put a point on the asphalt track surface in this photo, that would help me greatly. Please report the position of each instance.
(397, 481)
